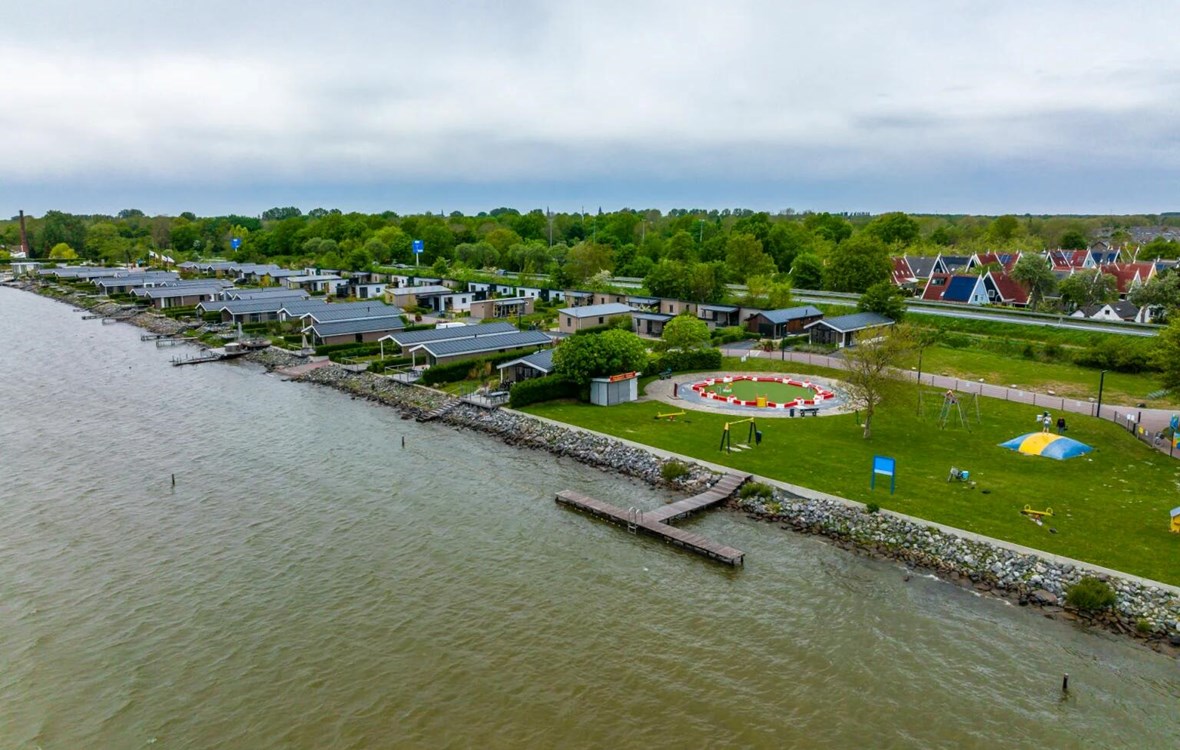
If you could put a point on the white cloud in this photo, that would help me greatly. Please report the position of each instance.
(362, 91)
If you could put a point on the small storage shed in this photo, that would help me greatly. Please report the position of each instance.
(616, 389)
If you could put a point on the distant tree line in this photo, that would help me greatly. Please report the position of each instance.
(685, 253)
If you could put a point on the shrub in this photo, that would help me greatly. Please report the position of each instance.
(681, 361)
(756, 489)
(730, 334)
(381, 365)
(872, 508)
(673, 470)
(1090, 595)
(536, 390)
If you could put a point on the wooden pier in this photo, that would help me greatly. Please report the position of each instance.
(657, 522)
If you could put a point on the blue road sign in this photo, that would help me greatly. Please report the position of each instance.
(235, 243)
(887, 466)
(418, 246)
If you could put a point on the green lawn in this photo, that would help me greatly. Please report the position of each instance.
(1066, 380)
(1111, 506)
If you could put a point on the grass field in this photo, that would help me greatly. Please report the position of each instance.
(1066, 380)
(1111, 506)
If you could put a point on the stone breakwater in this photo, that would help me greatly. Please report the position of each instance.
(1141, 611)
(1144, 612)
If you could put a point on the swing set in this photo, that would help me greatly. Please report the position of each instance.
(951, 410)
(754, 438)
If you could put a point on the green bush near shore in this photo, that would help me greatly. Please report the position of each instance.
(1111, 506)
(1090, 595)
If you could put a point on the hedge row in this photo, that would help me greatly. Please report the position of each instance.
(453, 372)
(681, 361)
(381, 365)
(535, 390)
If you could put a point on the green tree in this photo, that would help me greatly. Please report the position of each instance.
(1088, 287)
(870, 373)
(586, 259)
(1161, 295)
(668, 279)
(580, 358)
(705, 282)
(894, 229)
(834, 229)
(62, 251)
(883, 298)
(1167, 354)
(857, 264)
(807, 272)
(682, 247)
(1161, 248)
(1034, 274)
(745, 257)
(1073, 239)
(1003, 228)
(685, 331)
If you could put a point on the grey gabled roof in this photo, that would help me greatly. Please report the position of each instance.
(542, 360)
(241, 306)
(170, 292)
(411, 338)
(517, 340)
(591, 311)
(274, 292)
(426, 290)
(350, 311)
(921, 265)
(662, 317)
(849, 323)
(364, 325)
(790, 313)
(718, 308)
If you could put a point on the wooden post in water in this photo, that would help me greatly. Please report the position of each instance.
(173, 480)
(1065, 683)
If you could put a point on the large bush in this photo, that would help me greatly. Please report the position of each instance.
(581, 358)
(1131, 354)
(536, 390)
(683, 361)
(1090, 595)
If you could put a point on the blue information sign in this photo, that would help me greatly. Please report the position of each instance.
(887, 466)
(418, 246)
(235, 243)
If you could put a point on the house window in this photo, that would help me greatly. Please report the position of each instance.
(569, 321)
(600, 320)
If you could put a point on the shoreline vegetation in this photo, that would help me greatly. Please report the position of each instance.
(1147, 613)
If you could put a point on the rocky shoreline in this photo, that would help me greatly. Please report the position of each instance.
(1146, 613)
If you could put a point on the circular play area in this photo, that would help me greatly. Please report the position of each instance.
(762, 391)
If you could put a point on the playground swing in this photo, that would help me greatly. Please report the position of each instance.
(951, 409)
(754, 438)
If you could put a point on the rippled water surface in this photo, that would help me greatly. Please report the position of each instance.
(309, 583)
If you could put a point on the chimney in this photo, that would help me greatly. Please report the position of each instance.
(24, 238)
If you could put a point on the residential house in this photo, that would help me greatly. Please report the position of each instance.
(535, 365)
(1002, 289)
(649, 324)
(456, 350)
(950, 264)
(848, 330)
(1129, 276)
(316, 283)
(574, 319)
(719, 316)
(353, 331)
(958, 288)
(502, 307)
(405, 340)
(1110, 311)
(775, 324)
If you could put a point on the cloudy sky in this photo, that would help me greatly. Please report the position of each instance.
(942, 106)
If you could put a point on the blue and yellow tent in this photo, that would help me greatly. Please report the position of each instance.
(1047, 444)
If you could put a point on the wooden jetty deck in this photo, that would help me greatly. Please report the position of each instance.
(440, 411)
(657, 522)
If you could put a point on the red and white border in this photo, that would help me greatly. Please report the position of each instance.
(821, 394)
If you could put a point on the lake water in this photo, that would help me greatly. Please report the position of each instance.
(309, 583)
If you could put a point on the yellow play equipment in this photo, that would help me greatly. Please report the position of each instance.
(755, 436)
(670, 416)
(1028, 511)
(1176, 520)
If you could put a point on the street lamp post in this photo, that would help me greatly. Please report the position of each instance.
(1101, 381)
(701, 236)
